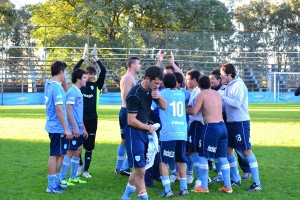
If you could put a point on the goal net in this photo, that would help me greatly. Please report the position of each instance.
(283, 85)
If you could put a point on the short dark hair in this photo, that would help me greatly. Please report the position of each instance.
(193, 73)
(131, 60)
(170, 67)
(77, 74)
(204, 82)
(179, 77)
(90, 70)
(169, 80)
(216, 73)
(57, 67)
(154, 72)
(229, 69)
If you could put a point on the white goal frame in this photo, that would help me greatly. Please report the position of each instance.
(276, 83)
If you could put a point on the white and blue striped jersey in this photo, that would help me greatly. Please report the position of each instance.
(173, 118)
(75, 97)
(54, 95)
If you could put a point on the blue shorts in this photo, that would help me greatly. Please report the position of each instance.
(74, 143)
(57, 141)
(239, 135)
(137, 146)
(122, 121)
(171, 149)
(194, 133)
(214, 140)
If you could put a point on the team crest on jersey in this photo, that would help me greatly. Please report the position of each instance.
(92, 87)
(137, 158)
(65, 146)
(74, 142)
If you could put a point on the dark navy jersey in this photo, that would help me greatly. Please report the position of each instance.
(138, 101)
(90, 93)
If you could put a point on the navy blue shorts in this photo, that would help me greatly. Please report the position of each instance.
(91, 128)
(74, 143)
(57, 141)
(137, 146)
(171, 149)
(239, 135)
(214, 140)
(194, 133)
(122, 121)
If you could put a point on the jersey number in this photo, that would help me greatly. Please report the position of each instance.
(177, 108)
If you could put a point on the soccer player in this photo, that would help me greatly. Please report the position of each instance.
(216, 84)
(297, 91)
(56, 123)
(138, 107)
(195, 127)
(74, 101)
(213, 140)
(126, 83)
(173, 135)
(90, 108)
(235, 100)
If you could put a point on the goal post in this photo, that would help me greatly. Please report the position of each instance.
(282, 84)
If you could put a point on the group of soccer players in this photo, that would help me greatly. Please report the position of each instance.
(71, 121)
(193, 129)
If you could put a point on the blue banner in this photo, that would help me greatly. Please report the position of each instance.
(115, 98)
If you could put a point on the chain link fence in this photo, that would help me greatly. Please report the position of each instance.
(28, 52)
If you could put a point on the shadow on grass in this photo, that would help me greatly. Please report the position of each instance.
(24, 174)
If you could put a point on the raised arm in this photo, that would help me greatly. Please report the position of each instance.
(160, 58)
(85, 57)
(101, 76)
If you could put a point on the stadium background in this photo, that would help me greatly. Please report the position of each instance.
(26, 64)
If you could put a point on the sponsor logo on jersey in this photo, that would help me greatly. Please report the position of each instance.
(169, 153)
(212, 149)
(177, 122)
(88, 95)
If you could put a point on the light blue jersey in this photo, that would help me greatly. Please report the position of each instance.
(191, 103)
(54, 95)
(173, 119)
(75, 97)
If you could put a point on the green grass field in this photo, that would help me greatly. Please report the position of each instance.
(25, 148)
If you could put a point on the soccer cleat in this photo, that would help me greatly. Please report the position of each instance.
(239, 183)
(226, 190)
(66, 182)
(77, 180)
(86, 174)
(125, 172)
(217, 179)
(254, 187)
(173, 178)
(117, 171)
(247, 176)
(184, 192)
(79, 170)
(200, 189)
(62, 186)
(167, 194)
(54, 190)
(189, 179)
(209, 180)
